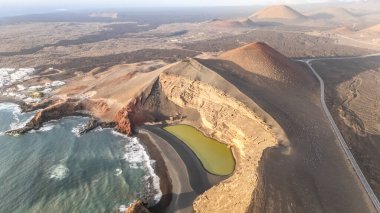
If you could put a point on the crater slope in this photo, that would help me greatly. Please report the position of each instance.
(261, 59)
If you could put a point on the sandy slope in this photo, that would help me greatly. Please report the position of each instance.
(375, 28)
(109, 91)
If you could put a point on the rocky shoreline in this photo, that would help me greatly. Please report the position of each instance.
(49, 110)
(54, 110)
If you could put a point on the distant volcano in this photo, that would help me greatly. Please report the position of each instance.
(278, 12)
(263, 60)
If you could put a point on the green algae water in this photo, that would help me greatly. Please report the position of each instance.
(215, 156)
(56, 170)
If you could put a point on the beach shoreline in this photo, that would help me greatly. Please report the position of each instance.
(159, 166)
(161, 171)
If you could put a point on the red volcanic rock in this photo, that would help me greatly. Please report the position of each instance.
(131, 115)
(122, 118)
(137, 207)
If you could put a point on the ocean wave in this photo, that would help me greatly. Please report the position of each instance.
(45, 128)
(77, 130)
(120, 134)
(9, 106)
(137, 158)
(118, 172)
(58, 172)
(19, 123)
(14, 108)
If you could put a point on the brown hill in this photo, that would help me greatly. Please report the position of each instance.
(278, 12)
(335, 12)
(225, 23)
(340, 12)
(248, 22)
(375, 28)
(263, 60)
(344, 29)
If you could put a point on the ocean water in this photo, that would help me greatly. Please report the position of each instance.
(55, 170)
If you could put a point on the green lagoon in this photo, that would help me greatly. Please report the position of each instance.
(216, 157)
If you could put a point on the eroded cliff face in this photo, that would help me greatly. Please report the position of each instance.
(49, 110)
(123, 120)
(233, 123)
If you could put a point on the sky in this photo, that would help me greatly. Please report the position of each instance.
(20, 7)
(150, 3)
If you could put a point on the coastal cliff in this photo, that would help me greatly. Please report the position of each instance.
(56, 109)
(49, 110)
(123, 120)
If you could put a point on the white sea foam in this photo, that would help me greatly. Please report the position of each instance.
(137, 158)
(119, 134)
(58, 172)
(118, 172)
(19, 124)
(76, 130)
(45, 128)
(10, 106)
(16, 111)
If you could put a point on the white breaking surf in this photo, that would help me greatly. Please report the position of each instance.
(137, 158)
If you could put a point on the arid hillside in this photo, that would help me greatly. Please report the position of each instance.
(261, 59)
(375, 28)
(352, 88)
(232, 23)
(334, 13)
